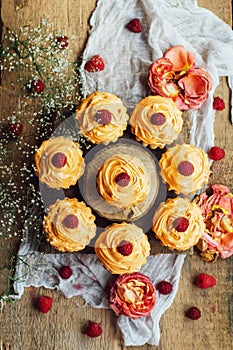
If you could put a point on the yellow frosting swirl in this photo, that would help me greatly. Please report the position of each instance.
(90, 128)
(116, 195)
(65, 176)
(62, 237)
(156, 135)
(108, 241)
(170, 161)
(165, 216)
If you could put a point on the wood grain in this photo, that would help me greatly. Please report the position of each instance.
(22, 327)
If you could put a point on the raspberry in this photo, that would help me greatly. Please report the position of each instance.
(65, 272)
(93, 329)
(158, 119)
(194, 313)
(122, 179)
(44, 303)
(216, 153)
(14, 129)
(59, 160)
(95, 64)
(218, 104)
(181, 224)
(71, 221)
(204, 281)
(164, 287)
(125, 248)
(135, 25)
(38, 86)
(186, 168)
(103, 116)
(63, 41)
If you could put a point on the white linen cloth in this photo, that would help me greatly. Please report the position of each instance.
(127, 57)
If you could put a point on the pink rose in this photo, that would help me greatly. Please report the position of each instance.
(133, 295)
(181, 59)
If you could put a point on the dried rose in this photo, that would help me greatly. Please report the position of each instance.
(133, 295)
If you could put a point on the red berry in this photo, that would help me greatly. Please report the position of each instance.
(186, 168)
(95, 64)
(164, 287)
(216, 153)
(14, 129)
(44, 303)
(59, 160)
(103, 116)
(122, 179)
(204, 281)
(38, 86)
(181, 224)
(218, 104)
(63, 41)
(65, 272)
(194, 313)
(125, 248)
(71, 221)
(93, 329)
(158, 119)
(135, 25)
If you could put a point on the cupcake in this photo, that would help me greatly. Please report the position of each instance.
(123, 181)
(178, 223)
(59, 162)
(185, 168)
(102, 117)
(69, 225)
(156, 121)
(122, 248)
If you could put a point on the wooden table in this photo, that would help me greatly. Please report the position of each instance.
(22, 327)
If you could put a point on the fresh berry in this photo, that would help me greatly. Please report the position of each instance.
(103, 116)
(164, 287)
(65, 272)
(157, 119)
(218, 104)
(59, 160)
(44, 303)
(71, 221)
(63, 41)
(93, 329)
(95, 64)
(194, 313)
(125, 248)
(14, 129)
(216, 153)
(135, 25)
(203, 281)
(122, 179)
(38, 86)
(186, 168)
(181, 224)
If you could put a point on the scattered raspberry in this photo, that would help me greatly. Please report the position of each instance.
(218, 104)
(93, 329)
(122, 179)
(135, 25)
(164, 287)
(181, 224)
(204, 281)
(95, 64)
(157, 119)
(38, 86)
(194, 313)
(65, 272)
(216, 153)
(125, 248)
(103, 116)
(71, 221)
(59, 160)
(186, 168)
(63, 41)
(14, 129)
(44, 303)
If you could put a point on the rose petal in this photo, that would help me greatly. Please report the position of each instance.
(182, 60)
